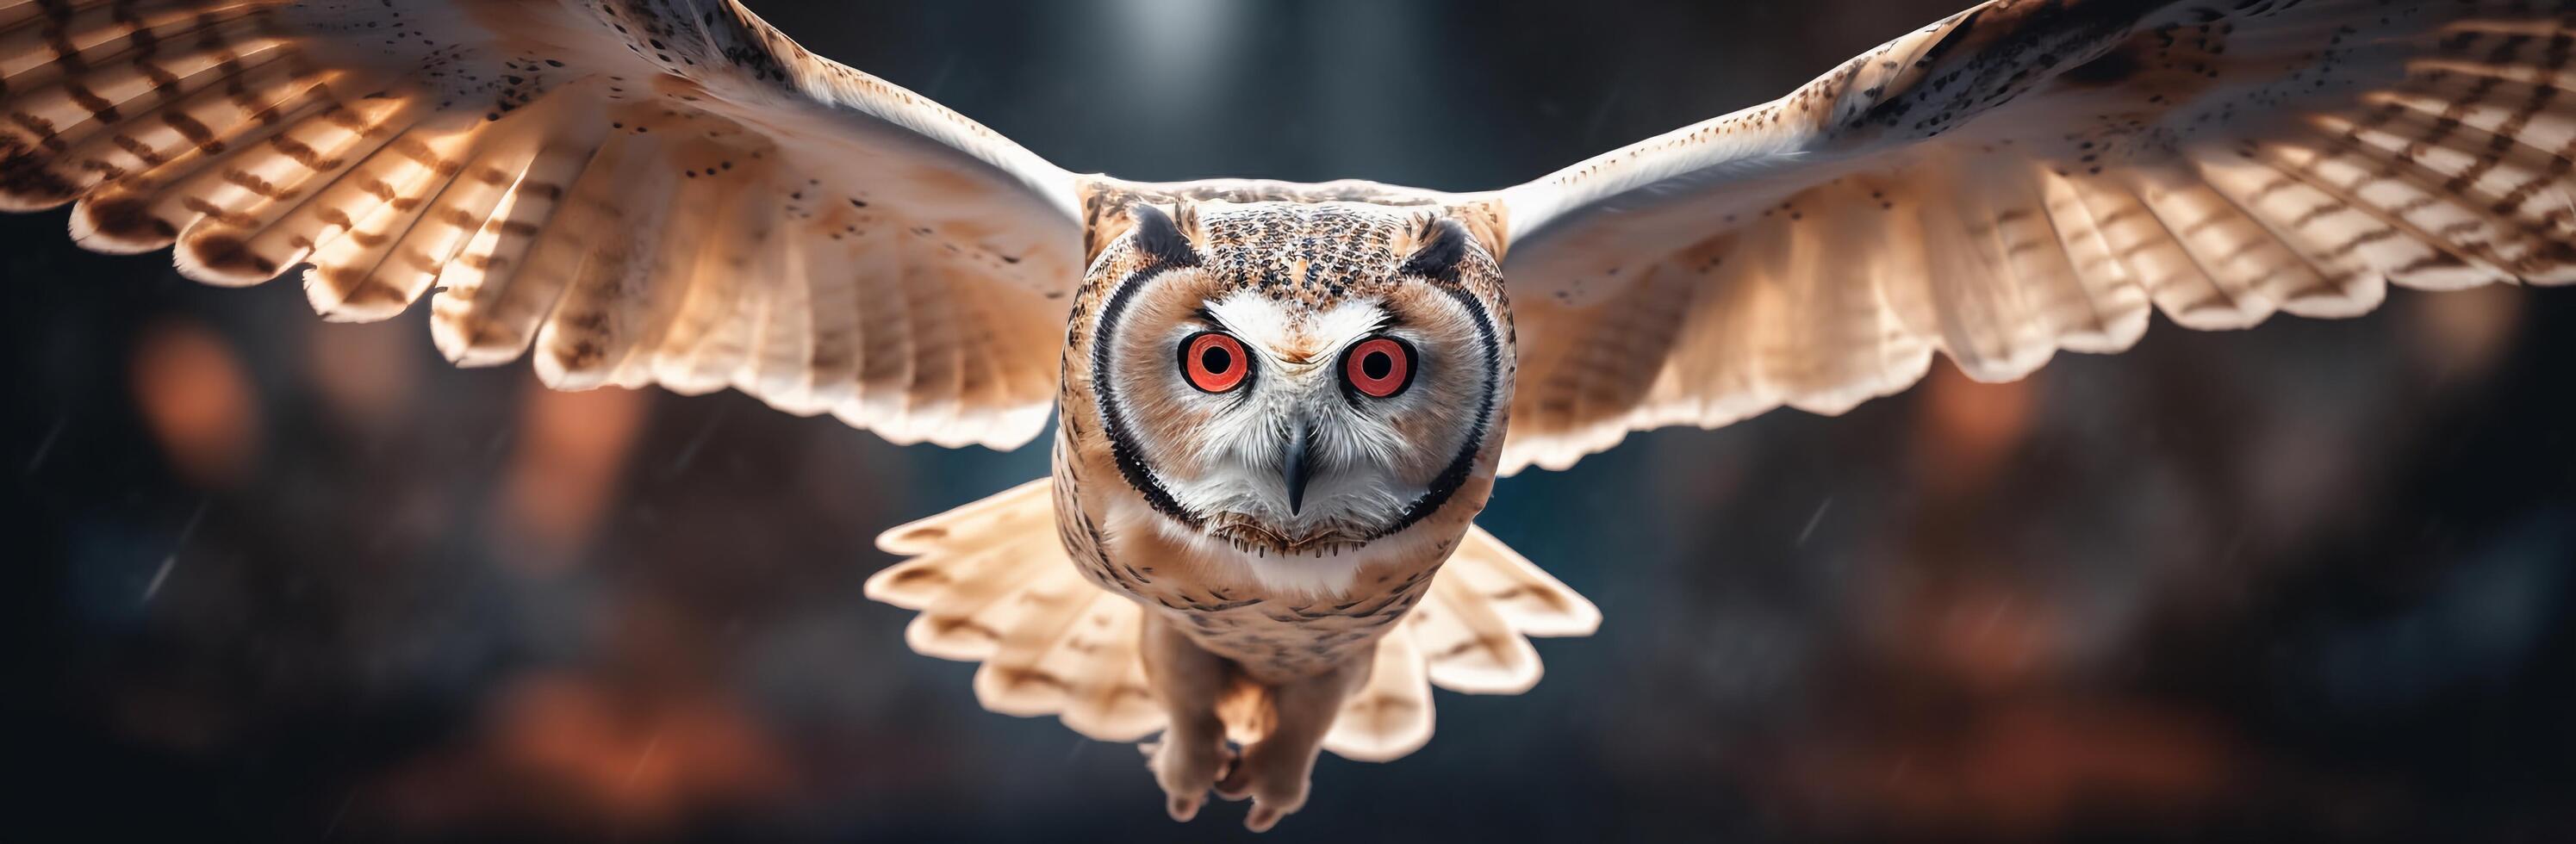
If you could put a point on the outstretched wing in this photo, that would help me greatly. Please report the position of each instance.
(2031, 176)
(646, 191)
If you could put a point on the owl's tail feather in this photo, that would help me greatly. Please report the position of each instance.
(993, 585)
(1470, 634)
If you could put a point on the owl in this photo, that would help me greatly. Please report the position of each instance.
(1279, 407)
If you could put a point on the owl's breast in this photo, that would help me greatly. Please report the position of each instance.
(1279, 616)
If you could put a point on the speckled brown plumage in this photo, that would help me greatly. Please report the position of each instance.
(672, 192)
(1284, 243)
(2026, 177)
(527, 159)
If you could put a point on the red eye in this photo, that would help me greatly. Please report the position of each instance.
(1379, 367)
(1214, 362)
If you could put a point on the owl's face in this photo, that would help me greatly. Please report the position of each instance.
(1298, 380)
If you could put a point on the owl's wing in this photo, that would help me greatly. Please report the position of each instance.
(2030, 176)
(648, 191)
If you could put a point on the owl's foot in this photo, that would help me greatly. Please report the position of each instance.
(1275, 775)
(1186, 770)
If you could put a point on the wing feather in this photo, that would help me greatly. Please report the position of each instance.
(641, 191)
(2034, 175)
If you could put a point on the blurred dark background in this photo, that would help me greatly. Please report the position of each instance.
(283, 580)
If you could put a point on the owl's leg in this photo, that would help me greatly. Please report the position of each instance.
(1275, 770)
(1193, 752)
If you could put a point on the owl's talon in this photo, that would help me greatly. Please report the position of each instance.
(1186, 770)
(1274, 778)
(1262, 818)
(1236, 784)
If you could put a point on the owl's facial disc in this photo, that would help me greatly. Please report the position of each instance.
(1294, 417)
(1296, 430)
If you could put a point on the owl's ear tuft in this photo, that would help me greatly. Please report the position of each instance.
(1161, 239)
(1440, 244)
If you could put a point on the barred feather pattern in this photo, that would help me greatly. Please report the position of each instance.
(2034, 176)
(642, 192)
(992, 584)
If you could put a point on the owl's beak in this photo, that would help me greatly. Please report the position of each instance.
(1297, 466)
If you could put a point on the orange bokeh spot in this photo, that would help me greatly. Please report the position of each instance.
(1969, 427)
(563, 477)
(197, 401)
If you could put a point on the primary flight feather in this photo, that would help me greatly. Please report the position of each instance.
(1281, 405)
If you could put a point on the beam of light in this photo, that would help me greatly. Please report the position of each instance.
(1170, 47)
(1167, 59)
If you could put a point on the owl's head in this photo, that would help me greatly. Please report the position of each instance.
(1300, 380)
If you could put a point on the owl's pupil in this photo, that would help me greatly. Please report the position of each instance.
(1215, 360)
(1376, 365)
